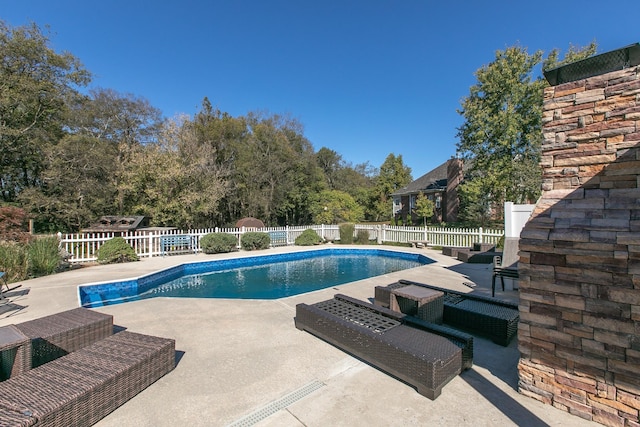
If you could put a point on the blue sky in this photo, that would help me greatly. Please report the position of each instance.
(366, 78)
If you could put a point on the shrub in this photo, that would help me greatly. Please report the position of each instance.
(346, 233)
(116, 250)
(255, 240)
(217, 243)
(362, 238)
(14, 224)
(14, 261)
(44, 256)
(308, 238)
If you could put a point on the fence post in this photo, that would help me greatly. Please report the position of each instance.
(481, 235)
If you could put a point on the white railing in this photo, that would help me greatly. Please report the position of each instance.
(83, 247)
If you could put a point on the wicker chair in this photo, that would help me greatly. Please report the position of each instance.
(507, 264)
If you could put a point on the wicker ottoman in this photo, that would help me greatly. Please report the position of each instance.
(62, 333)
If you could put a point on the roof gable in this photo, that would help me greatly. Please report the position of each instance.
(436, 179)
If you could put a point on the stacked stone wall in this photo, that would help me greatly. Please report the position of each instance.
(579, 334)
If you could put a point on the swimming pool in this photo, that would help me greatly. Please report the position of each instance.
(257, 277)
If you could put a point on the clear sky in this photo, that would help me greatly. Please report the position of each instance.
(366, 78)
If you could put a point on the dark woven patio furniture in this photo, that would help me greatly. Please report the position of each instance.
(490, 317)
(506, 265)
(15, 352)
(420, 358)
(461, 339)
(62, 333)
(82, 387)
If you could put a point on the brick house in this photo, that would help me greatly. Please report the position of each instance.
(439, 185)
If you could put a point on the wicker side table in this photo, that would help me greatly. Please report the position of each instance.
(424, 303)
(15, 352)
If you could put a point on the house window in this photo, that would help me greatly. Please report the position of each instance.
(397, 205)
(412, 201)
(438, 201)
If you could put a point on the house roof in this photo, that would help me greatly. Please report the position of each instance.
(436, 179)
(117, 223)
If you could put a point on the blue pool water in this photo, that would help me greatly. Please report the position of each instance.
(260, 277)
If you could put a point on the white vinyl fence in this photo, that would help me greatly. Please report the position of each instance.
(83, 247)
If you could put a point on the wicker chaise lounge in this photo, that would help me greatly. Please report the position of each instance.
(422, 359)
(490, 317)
(461, 339)
(84, 386)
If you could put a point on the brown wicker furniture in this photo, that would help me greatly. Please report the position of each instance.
(15, 352)
(424, 303)
(84, 386)
(461, 339)
(490, 317)
(62, 333)
(422, 359)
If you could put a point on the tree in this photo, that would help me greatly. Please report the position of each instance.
(333, 206)
(123, 121)
(393, 176)
(502, 132)
(424, 207)
(177, 181)
(574, 54)
(36, 86)
(77, 185)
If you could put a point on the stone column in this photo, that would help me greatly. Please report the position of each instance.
(579, 333)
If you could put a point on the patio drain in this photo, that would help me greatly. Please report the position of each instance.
(276, 405)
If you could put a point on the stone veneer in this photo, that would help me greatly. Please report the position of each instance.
(579, 333)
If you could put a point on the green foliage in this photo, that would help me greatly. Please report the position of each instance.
(44, 256)
(475, 205)
(215, 243)
(116, 250)
(333, 206)
(37, 86)
(308, 238)
(574, 54)
(80, 187)
(362, 237)
(424, 207)
(14, 261)
(393, 176)
(346, 233)
(502, 132)
(255, 240)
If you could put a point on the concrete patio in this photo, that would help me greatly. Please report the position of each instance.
(239, 358)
